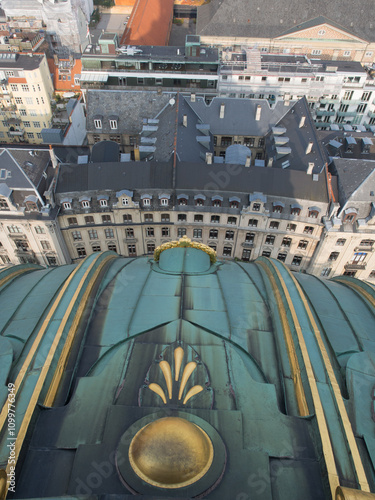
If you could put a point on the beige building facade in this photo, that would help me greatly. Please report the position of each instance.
(25, 97)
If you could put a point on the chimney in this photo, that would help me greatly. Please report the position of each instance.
(53, 156)
(270, 162)
(286, 99)
(137, 156)
(247, 163)
(309, 147)
(258, 112)
(184, 121)
(310, 168)
(209, 158)
(222, 110)
(302, 121)
(192, 97)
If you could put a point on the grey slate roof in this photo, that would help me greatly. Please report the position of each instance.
(244, 18)
(130, 107)
(114, 176)
(21, 61)
(208, 179)
(26, 171)
(299, 138)
(239, 115)
(356, 181)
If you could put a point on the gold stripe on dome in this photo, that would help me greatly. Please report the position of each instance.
(192, 392)
(158, 390)
(185, 242)
(188, 370)
(167, 372)
(350, 494)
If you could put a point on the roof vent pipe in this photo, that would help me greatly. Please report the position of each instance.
(222, 110)
(247, 162)
(209, 158)
(310, 168)
(184, 121)
(302, 121)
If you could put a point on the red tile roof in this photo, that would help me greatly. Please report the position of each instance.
(150, 23)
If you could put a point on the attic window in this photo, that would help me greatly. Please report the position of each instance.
(112, 124)
(3, 204)
(85, 204)
(97, 123)
(67, 205)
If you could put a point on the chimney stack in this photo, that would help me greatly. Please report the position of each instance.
(258, 112)
(302, 121)
(209, 158)
(222, 110)
(52, 156)
(247, 163)
(192, 97)
(184, 121)
(310, 168)
(270, 162)
(309, 147)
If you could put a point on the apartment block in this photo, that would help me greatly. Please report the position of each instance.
(26, 91)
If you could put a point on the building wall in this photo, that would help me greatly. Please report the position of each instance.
(26, 104)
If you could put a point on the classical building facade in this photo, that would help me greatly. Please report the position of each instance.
(29, 232)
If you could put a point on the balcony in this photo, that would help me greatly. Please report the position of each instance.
(355, 267)
(329, 101)
(325, 112)
(16, 131)
(347, 113)
(364, 248)
(351, 102)
(247, 244)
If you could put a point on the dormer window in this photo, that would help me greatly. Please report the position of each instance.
(67, 205)
(314, 212)
(125, 201)
(217, 201)
(31, 203)
(85, 204)
(234, 202)
(350, 215)
(113, 124)
(164, 199)
(295, 209)
(278, 207)
(182, 199)
(146, 202)
(3, 204)
(98, 123)
(103, 203)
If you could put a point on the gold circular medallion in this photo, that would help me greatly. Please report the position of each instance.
(171, 453)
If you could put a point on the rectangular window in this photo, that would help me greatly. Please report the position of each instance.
(286, 242)
(308, 230)
(229, 235)
(18, 100)
(93, 234)
(25, 88)
(256, 207)
(198, 218)
(181, 231)
(326, 271)
(76, 235)
(45, 245)
(246, 254)
(181, 217)
(103, 203)
(146, 202)
(26, 124)
(149, 218)
(197, 233)
(96, 247)
(72, 221)
(164, 202)
(97, 124)
(334, 256)
(127, 219)
(40, 230)
(150, 232)
(81, 251)
(296, 260)
(85, 204)
(274, 224)
(270, 239)
(113, 124)
(30, 135)
(23, 112)
(227, 251)
(232, 220)
(89, 219)
(165, 231)
(132, 251)
(281, 257)
(14, 87)
(341, 242)
(129, 232)
(253, 222)
(215, 219)
(214, 233)
(266, 253)
(109, 233)
(165, 217)
(125, 201)
(36, 124)
(302, 244)
(67, 205)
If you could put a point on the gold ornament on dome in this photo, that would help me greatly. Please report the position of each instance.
(171, 452)
(185, 242)
(167, 373)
